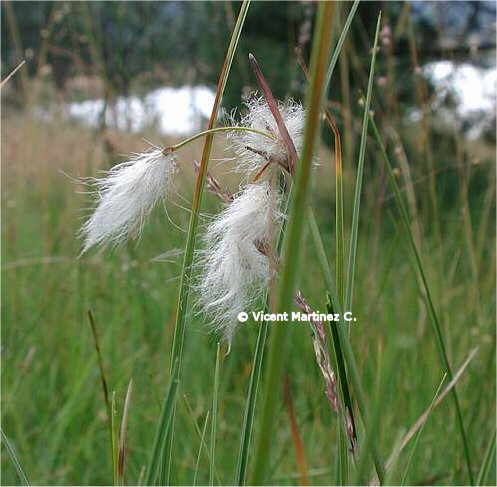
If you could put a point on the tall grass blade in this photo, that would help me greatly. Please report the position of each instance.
(103, 380)
(437, 329)
(340, 234)
(248, 418)
(200, 434)
(278, 334)
(358, 186)
(186, 272)
(161, 432)
(121, 464)
(418, 434)
(197, 196)
(212, 462)
(113, 423)
(202, 441)
(487, 462)
(14, 459)
(341, 40)
(323, 261)
(342, 469)
(340, 245)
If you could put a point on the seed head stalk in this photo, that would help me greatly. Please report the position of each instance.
(179, 145)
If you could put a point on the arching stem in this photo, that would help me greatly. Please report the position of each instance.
(179, 145)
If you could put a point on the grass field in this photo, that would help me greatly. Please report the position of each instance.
(54, 414)
(53, 408)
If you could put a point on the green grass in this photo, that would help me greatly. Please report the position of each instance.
(53, 407)
(54, 412)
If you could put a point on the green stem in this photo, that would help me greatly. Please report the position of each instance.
(487, 462)
(341, 40)
(358, 187)
(15, 459)
(279, 334)
(248, 417)
(212, 462)
(179, 145)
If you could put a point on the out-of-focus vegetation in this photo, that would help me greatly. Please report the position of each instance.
(52, 404)
(133, 46)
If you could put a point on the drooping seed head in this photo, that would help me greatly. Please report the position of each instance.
(235, 270)
(126, 196)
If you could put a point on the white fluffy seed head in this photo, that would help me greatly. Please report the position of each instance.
(260, 117)
(126, 196)
(234, 272)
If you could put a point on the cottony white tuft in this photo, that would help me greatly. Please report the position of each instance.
(126, 196)
(235, 271)
(253, 150)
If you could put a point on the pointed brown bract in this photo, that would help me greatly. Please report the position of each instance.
(273, 106)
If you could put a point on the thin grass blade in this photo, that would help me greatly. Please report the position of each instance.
(212, 462)
(21, 473)
(248, 418)
(202, 441)
(165, 420)
(105, 389)
(418, 434)
(358, 186)
(341, 40)
(113, 423)
(296, 436)
(487, 462)
(121, 463)
(347, 351)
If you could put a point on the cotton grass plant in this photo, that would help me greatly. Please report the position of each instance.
(385, 373)
(241, 260)
(237, 262)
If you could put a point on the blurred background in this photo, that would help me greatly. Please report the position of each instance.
(98, 79)
(133, 65)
